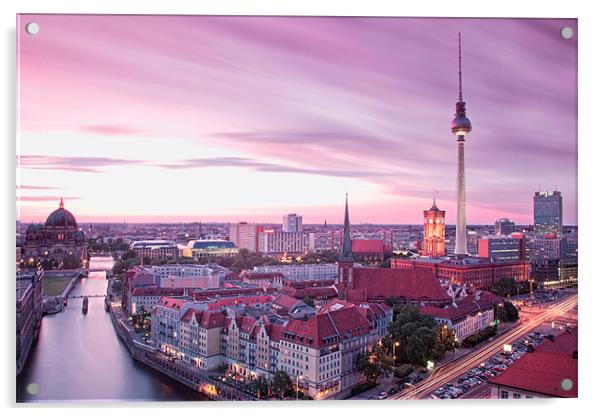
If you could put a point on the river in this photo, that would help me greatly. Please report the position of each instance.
(80, 358)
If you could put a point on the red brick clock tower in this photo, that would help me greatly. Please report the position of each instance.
(434, 232)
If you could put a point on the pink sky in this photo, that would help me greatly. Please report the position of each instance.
(149, 118)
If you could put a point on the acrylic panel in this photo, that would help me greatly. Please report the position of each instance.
(295, 208)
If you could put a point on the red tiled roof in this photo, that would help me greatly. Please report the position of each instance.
(231, 276)
(374, 310)
(170, 302)
(274, 331)
(333, 322)
(309, 283)
(229, 292)
(367, 246)
(245, 324)
(543, 370)
(412, 285)
(156, 291)
(312, 292)
(211, 319)
(240, 300)
(262, 276)
(565, 342)
(285, 301)
(467, 306)
(316, 332)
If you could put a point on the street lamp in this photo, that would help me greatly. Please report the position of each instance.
(298, 377)
(395, 344)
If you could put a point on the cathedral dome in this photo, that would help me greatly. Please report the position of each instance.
(61, 218)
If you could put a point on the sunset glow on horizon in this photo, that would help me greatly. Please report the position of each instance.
(217, 119)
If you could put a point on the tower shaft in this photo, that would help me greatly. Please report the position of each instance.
(461, 248)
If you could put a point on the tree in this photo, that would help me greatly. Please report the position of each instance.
(446, 340)
(374, 364)
(283, 385)
(403, 371)
(505, 286)
(121, 266)
(129, 254)
(309, 301)
(419, 336)
(71, 261)
(260, 384)
(510, 311)
(329, 256)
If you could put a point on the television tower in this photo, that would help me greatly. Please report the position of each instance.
(460, 126)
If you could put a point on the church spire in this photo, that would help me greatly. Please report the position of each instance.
(346, 253)
(61, 204)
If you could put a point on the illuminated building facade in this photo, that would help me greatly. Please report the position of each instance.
(277, 243)
(503, 248)
(474, 273)
(245, 235)
(50, 243)
(434, 232)
(156, 249)
(547, 213)
(199, 249)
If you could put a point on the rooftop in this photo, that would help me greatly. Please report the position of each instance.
(546, 369)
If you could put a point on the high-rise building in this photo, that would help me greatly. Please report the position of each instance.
(502, 248)
(460, 126)
(504, 226)
(434, 232)
(472, 237)
(292, 223)
(569, 246)
(273, 243)
(246, 235)
(548, 247)
(547, 213)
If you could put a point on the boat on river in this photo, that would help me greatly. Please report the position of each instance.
(85, 305)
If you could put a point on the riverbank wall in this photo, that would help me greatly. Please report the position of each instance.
(192, 377)
(56, 304)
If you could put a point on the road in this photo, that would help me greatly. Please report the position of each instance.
(454, 369)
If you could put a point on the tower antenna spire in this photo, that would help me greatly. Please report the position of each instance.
(61, 204)
(459, 66)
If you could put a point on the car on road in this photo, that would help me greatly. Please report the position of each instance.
(393, 390)
(382, 395)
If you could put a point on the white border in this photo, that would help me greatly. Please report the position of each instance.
(590, 68)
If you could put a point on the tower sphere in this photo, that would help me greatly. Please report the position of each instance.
(460, 125)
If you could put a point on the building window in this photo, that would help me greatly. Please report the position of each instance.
(516, 396)
(504, 394)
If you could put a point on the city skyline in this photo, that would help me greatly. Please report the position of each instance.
(123, 139)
